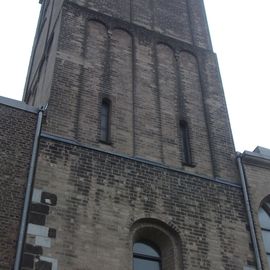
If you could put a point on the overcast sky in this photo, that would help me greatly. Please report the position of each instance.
(241, 38)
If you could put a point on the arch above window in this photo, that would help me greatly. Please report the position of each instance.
(155, 245)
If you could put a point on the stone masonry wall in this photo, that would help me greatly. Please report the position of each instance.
(153, 81)
(17, 129)
(101, 195)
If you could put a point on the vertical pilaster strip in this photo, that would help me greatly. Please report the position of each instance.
(134, 93)
(107, 66)
(156, 63)
(131, 11)
(106, 81)
(81, 86)
(190, 22)
(206, 25)
(152, 6)
(180, 99)
(207, 117)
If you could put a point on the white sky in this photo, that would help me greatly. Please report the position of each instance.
(241, 38)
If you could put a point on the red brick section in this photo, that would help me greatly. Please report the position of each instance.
(17, 129)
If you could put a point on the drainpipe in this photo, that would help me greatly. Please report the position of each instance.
(248, 209)
(28, 193)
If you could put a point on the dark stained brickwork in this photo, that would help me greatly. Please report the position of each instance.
(101, 195)
(17, 129)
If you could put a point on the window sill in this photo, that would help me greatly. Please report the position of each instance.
(192, 165)
(106, 142)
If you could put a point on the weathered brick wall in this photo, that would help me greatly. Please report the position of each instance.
(198, 21)
(153, 81)
(194, 112)
(180, 19)
(169, 105)
(17, 129)
(219, 129)
(100, 196)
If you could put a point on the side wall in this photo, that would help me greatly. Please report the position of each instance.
(17, 129)
(100, 196)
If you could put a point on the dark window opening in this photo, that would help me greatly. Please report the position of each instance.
(186, 147)
(145, 257)
(105, 121)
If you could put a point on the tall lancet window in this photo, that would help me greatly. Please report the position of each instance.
(186, 147)
(145, 257)
(105, 120)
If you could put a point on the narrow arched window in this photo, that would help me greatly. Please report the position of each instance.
(145, 257)
(264, 219)
(105, 121)
(186, 147)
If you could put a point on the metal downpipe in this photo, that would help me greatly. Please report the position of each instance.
(28, 193)
(248, 209)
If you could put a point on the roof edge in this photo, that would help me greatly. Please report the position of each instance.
(18, 105)
(257, 159)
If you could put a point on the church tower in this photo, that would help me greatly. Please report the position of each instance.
(143, 72)
(136, 166)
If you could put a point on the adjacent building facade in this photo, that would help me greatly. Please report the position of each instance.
(123, 157)
(257, 171)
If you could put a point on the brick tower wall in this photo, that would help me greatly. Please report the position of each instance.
(152, 80)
